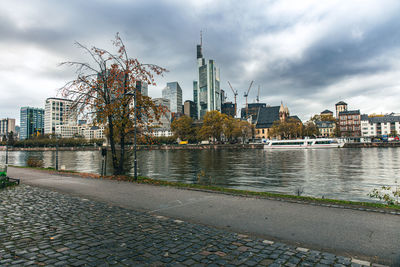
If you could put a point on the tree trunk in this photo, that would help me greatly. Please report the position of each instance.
(122, 155)
(112, 144)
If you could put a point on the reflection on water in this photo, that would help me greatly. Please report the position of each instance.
(332, 173)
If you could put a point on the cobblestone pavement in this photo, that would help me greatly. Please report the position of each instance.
(46, 228)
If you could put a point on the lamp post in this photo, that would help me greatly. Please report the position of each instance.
(57, 152)
(130, 93)
(6, 154)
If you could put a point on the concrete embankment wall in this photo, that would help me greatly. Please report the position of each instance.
(190, 147)
(50, 148)
(153, 147)
(367, 145)
(219, 146)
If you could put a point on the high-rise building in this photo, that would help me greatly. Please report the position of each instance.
(58, 112)
(206, 90)
(173, 92)
(32, 122)
(142, 88)
(165, 119)
(223, 97)
(190, 109)
(7, 126)
(228, 108)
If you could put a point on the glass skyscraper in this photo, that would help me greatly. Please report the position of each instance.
(206, 90)
(32, 122)
(173, 92)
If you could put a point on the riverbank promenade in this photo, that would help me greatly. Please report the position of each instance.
(66, 220)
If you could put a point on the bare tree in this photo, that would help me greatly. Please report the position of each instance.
(103, 90)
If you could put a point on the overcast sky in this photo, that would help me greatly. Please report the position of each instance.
(308, 54)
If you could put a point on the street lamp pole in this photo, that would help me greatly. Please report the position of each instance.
(57, 153)
(6, 154)
(135, 133)
(134, 138)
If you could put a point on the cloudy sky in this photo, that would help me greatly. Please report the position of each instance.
(309, 54)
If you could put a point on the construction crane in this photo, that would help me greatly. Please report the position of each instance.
(258, 95)
(246, 94)
(235, 93)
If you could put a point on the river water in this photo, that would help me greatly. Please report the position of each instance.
(348, 174)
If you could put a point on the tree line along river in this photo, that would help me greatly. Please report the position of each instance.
(348, 174)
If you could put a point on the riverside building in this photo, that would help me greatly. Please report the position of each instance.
(163, 126)
(206, 89)
(58, 112)
(7, 126)
(173, 93)
(380, 125)
(190, 109)
(350, 123)
(83, 131)
(32, 122)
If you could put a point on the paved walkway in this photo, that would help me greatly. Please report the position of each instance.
(341, 231)
(43, 227)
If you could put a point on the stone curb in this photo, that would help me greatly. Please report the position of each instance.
(337, 206)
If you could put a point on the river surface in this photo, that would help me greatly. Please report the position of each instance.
(348, 174)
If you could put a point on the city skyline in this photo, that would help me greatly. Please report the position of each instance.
(310, 54)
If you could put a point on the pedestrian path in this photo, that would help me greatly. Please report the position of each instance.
(369, 236)
(47, 228)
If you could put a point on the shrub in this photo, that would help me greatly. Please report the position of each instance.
(388, 194)
(34, 162)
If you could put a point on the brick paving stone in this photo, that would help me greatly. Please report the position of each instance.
(44, 227)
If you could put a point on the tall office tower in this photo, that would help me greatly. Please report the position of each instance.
(173, 92)
(190, 109)
(57, 111)
(206, 90)
(7, 125)
(165, 119)
(32, 122)
(142, 88)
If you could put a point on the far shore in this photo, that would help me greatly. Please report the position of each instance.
(188, 147)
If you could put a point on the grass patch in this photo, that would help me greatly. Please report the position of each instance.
(231, 191)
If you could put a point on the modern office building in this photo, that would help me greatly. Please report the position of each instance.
(57, 111)
(190, 109)
(223, 97)
(228, 108)
(173, 93)
(165, 119)
(7, 126)
(142, 88)
(206, 89)
(32, 122)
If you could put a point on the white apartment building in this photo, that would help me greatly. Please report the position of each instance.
(57, 112)
(86, 131)
(161, 133)
(378, 126)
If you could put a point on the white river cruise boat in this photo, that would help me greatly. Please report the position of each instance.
(303, 143)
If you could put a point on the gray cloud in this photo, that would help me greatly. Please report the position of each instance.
(296, 53)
